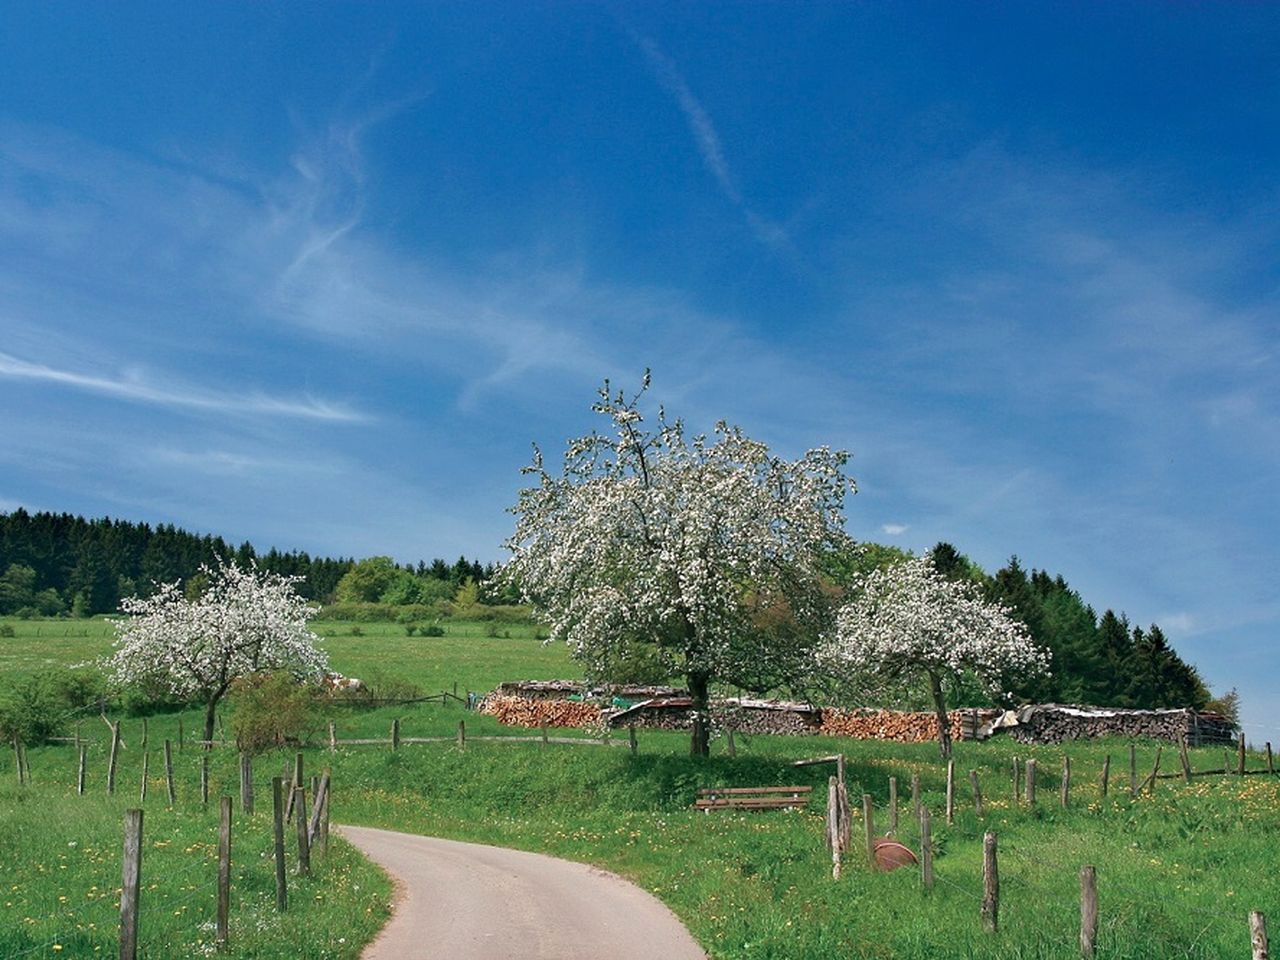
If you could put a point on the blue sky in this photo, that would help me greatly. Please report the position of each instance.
(317, 275)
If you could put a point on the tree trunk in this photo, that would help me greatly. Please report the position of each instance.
(700, 737)
(210, 715)
(944, 723)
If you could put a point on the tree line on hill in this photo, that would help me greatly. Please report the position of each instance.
(54, 564)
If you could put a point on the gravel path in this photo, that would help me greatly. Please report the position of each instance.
(467, 901)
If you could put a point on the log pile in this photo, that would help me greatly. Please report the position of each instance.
(1055, 723)
(533, 712)
(901, 726)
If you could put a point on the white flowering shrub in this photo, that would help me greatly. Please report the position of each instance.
(695, 546)
(908, 624)
(244, 622)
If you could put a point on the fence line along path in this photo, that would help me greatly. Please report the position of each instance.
(476, 902)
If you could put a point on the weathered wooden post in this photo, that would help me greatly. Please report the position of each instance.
(951, 791)
(1017, 793)
(223, 923)
(990, 884)
(1270, 765)
(168, 773)
(319, 804)
(1258, 936)
(80, 772)
(893, 806)
(631, 738)
(277, 825)
(204, 779)
(462, 734)
(113, 758)
(1088, 911)
(1106, 774)
(304, 841)
(395, 734)
(1240, 757)
(1185, 760)
(1031, 783)
(915, 795)
(977, 792)
(294, 781)
(246, 784)
(868, 820)
(833, 825)
(544, 732)
(333, 737)
(130, 884)
(1065, 796)
(17, 760)
(730, 746)
(926, 850)
(146, 765)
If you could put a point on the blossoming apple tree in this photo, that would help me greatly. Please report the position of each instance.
(244, 622)
(695, 547)
(908, 624)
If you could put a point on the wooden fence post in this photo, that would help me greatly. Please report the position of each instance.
(80, 772)
(1031, 783)
(294, 781)
(544, 732)
(1155, 771)
(168, 773)
(1106, 774)
(977, 792)
(130, 884)
(223, 922)
(893, 806)
(729, 743)
(246, 784)
(304, 842)
(319, 792)
(462, 734)
(1017, 793)
(833, 825)
(951, 791)
(868, 819)
(1270, 765)
(1066, 782)
(990, 884)
(1258, 936)
(324, 818)
(915, 795)
(17, 759)
(333, 737)
(145, 740)
(1133, 770)
(204, 779)
(926, 850)
(631, 737)
(1088, 911)
(1185, 759)
(395, 734)
(277, 836)
(146, 769)
(1240, 757)
(846, 814)
(113, 758)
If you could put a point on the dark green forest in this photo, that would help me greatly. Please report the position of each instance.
(55, 563)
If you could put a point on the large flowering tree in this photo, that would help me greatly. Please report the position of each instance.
(243, 622)
(705, 550)
(908, 624)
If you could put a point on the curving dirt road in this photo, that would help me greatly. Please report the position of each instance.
(467, 901)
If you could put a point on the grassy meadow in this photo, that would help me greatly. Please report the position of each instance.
(1177, 870)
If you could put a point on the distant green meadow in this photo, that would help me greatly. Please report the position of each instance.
(1177, 871)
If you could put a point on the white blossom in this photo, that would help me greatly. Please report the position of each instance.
(244, 622)
(647, 535)
(909, 624)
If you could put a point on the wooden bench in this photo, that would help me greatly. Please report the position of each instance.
(751, 798)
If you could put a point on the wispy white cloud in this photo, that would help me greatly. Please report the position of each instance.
(138, 391)
(894, 529)
(707, 140)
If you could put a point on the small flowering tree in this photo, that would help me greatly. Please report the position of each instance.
(908, 624)
(696, 549)
(243, 622)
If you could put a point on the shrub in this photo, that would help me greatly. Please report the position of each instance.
(357, 632)
(433, 630)
(6, 629)
(273, 710)
(410, 629)
(381, 685)
(37, 707)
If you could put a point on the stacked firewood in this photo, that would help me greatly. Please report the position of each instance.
(1052, 723)
(533, 712)
(899, 725)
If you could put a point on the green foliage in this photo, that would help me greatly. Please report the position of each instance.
(36, 707)
(270, 710)
(432, 630)
(367, 581)
(467, 594)
(6, 630)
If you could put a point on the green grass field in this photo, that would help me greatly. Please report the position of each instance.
(1177, 871)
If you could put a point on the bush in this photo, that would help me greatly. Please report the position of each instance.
(272, 710)
(433, 630)
(380, 685)
(6, 629)
(410, 629)
(357, 632)
(38, 707)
